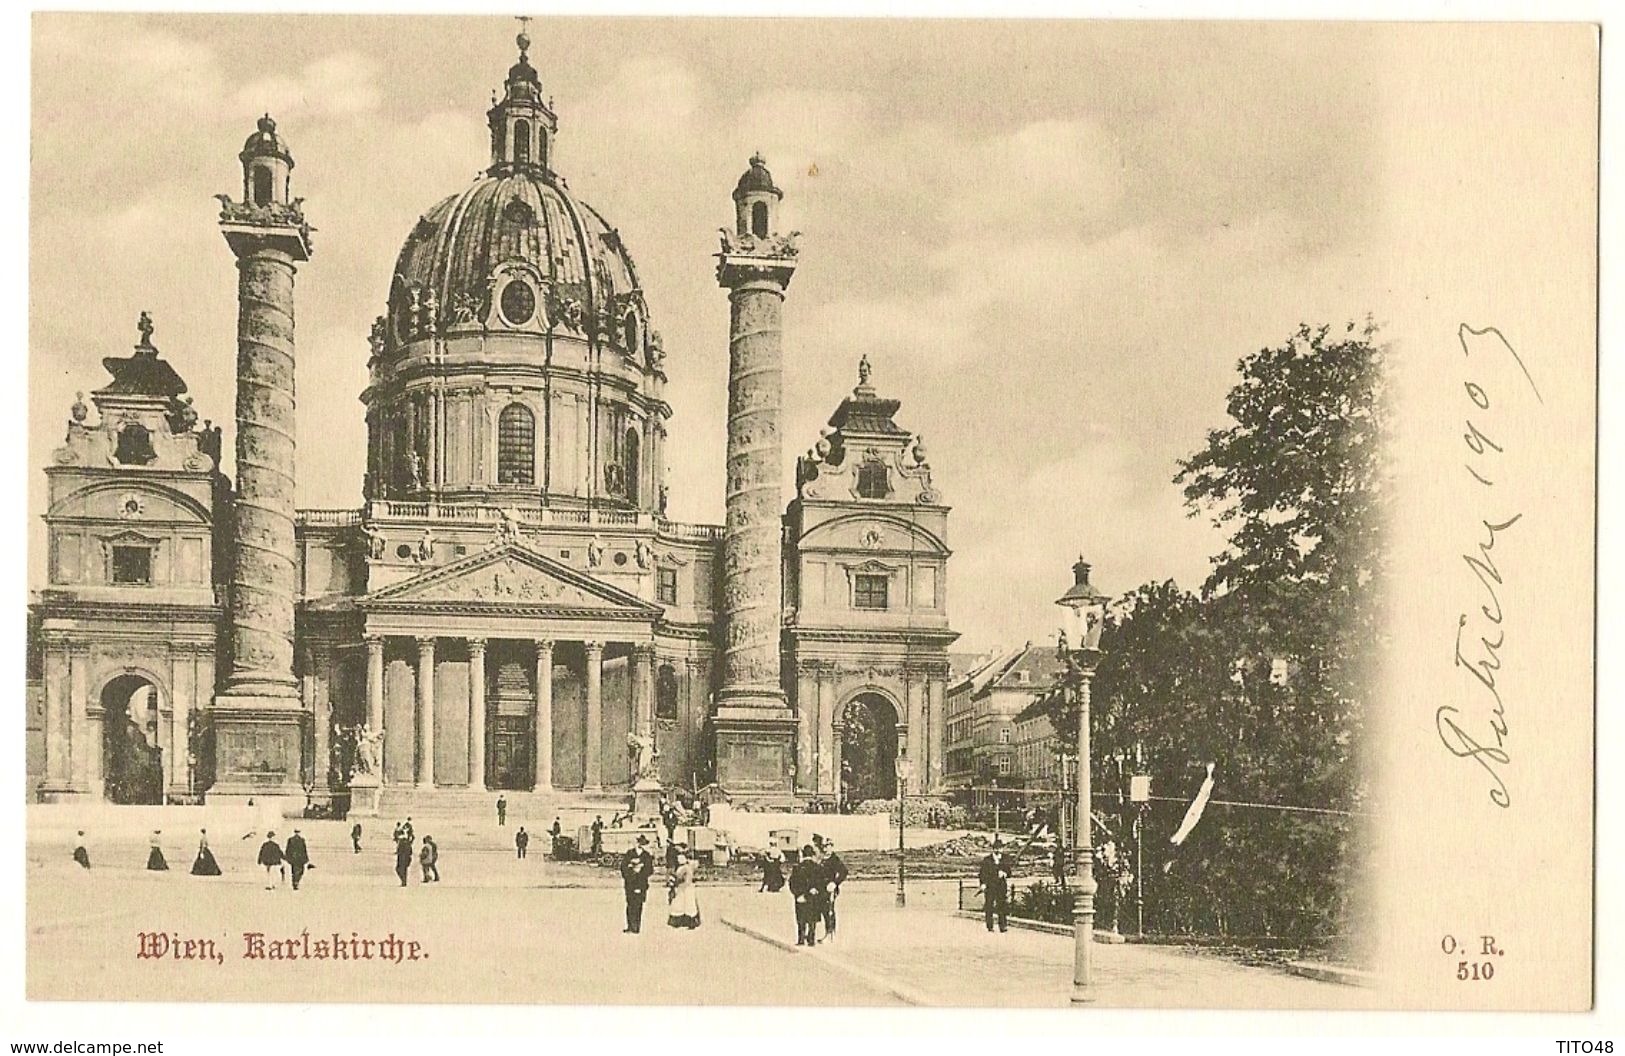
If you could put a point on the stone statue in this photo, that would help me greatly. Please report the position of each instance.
(79, 411)
(509, 532)
(864, 370)
(186, 415)
(640, 750)
(426, 546)
(414, 471)
(375, 543)
(646, 554)
(145, 326)
(369, 750)
(595, 552)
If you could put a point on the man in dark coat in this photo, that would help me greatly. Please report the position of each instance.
(403, 855)
(502, 810)
(298, 858)
(994, 878)
(598, 835)
(429, 858)
(271, 857)
(636, 868)
(521, 840)
(834, 876)
(806, 882)
(355, 837)
(555, 832)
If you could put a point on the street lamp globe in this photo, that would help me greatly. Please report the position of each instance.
(1083, 609)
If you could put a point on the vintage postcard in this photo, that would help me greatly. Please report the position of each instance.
(832, 512)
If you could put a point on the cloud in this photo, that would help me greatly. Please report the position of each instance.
(340, 84)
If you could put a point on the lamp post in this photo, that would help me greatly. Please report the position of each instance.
(1084, 613)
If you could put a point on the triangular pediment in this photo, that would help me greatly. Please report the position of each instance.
(508, 575)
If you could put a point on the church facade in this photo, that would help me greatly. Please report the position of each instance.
(510, 608)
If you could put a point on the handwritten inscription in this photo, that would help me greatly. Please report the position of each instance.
(1479, 730)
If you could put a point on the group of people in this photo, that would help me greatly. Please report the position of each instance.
(682, 900)
(815, 885)
(279, 861)
(428, 856)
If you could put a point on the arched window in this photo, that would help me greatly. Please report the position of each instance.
(758, 219)
(521, 141)
(629, 329)
(873, 480)
(516, 445)
(134, 445)
(262, 186)
(630, 459)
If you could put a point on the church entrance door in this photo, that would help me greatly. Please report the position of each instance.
(868, 749)
(132, 761)
(511, 742)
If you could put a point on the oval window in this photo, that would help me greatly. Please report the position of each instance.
(518, 303)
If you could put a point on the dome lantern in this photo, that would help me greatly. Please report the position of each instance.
(267, 165)
(522, 124)
(756, 200)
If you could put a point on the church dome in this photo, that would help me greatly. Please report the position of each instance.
(515, 362)
(515, 226)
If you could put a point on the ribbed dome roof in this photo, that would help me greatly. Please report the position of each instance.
(521, 215)
(756, 178)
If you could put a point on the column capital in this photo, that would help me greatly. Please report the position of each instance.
(593, 647)
(644, 651)
(544, 645)
(426, 641)
(373, 641)
(475, 644)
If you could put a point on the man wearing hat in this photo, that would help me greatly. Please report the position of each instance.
(636, 867)
(834, 877)
(995, 881)
(297, 857)
(806, 887)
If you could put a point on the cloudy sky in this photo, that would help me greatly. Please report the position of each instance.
(1053, 240)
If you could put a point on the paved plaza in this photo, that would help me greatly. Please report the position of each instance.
(497, 929)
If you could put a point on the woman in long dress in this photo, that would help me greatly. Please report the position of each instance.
(684, 908)
(204, 864)
(772, 870)
(155, 857)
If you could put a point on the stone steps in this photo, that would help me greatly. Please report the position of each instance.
(531, 808)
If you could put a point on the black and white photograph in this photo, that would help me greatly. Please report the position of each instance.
(545, 509)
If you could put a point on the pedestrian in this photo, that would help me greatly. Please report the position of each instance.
(521, 840)
(672, 849)
(502, 810)
(1057, 864)
(155, 856)
(429, 858)
(834, 876)
(670, 817)
(772, 871)
(403, 855)
(355, 837)
(204, 864)
(81, 855)
(271, 857)
(804, 877)
(994, 879)
(637, 867)
(298, 857)
(598, 835)
(406, 831)
(683, 905)
(555, 832)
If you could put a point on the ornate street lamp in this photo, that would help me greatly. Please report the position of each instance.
(905, 774)
(1084, 613)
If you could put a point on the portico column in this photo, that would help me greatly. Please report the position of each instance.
(306, 659)
(642, 675)
(544, 715)
(594, 730)
(425, 687)
(375, 694)
(476, 713)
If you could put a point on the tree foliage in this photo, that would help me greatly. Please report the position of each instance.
(1266, 672)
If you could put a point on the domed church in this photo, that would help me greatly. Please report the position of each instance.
(510, 608)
